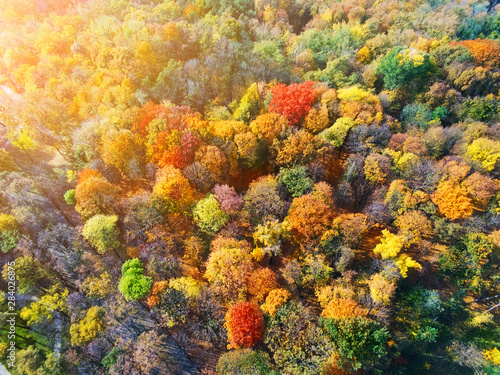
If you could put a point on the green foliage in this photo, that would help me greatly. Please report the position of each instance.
(295, 180)
(417, 115)
(102, 232)
(481, 109)
(29, 272)
(402, 67)
(209, 215)
(244, 362)
(250, 105)
(361, 343)
(338, 131)
(133, 284)
(9, 232)
(111, 358)
(69, 197)
(298, 344)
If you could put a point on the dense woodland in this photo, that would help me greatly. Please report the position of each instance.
(250, 186)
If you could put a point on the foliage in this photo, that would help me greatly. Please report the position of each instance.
(244, 324)
(133, 284)
(9, 232)
(402, 66)
(338, 131)
(209, 215)
(102, 232)
(452, 201)
(295, 180)
(243, 362)
(361, 343)
(89, 327)
(294, 101)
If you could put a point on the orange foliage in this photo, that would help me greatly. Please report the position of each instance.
(485, 51)
(94, 194)
(244, 325)
(261, 282)
(310, 215)
(158, 287)
(174, 188)
(268, 126)
(452, 201)
(339, 308)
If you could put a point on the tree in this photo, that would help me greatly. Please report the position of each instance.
(89, 327)
(299, 148)
(339, 308)
(173, 189)
(208, 214)
(123, 150)
(377, 167)
(294, 101)
(244, 362)
(228, 199)
(338, 131)
(268, 126)
(267, 237)
(360, 106)
(98, 287)
(102, 232)
(485, 151)
(227, 267)
(295, 180)
(401, 67)
(389, 248)
(297, 343)
(261, 282)
(9, 232)
(360, 342)
(452, 201)
(250, 105)
(274, 300)
(480, 188)
(485, 51)
(94, 194)
(262, 199)
(133, 284)
(43, 310)
(381, 289)
(310, 215)
(244, 324)
(414, 226)
(29, 273)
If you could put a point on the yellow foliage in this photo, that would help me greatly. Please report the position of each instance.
(381, 289)
(404, 262)
(492, 355)
(486, 151)
(339, 308)
(190, 286)
(274, 300)
(364, 55)
(390, 245)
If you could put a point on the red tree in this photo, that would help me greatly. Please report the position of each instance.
(244, 324)
(294, 101)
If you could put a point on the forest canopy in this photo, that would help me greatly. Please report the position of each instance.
(250, 187)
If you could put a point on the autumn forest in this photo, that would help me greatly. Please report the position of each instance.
(249, 187)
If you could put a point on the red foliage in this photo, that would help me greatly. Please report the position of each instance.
(294, 101)
(244, 324)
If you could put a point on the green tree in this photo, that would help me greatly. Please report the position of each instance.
(361, 343)
(9, 232)
(244, 362)
(208, 214)
(295, 180)
(133, 284)
(102, 232)
(401, 67)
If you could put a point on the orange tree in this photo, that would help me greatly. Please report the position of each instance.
(294, 101)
